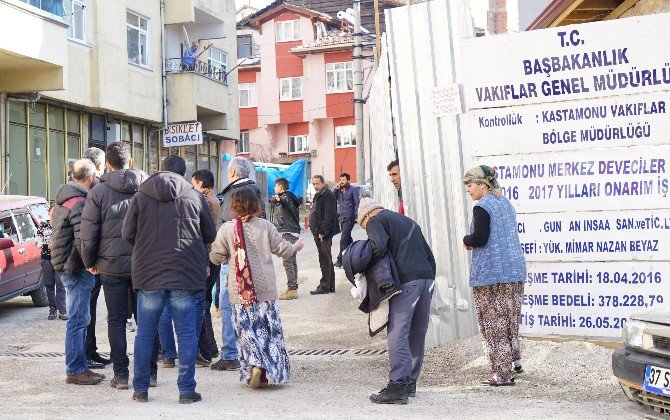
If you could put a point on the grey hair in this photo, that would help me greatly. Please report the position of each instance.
(95, 155)
(83, 169)
(240, 167)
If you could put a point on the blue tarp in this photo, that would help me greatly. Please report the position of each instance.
(295, 174)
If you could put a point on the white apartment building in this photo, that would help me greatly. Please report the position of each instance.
(82, 73)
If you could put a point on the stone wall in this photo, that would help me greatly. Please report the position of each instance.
(648, 7)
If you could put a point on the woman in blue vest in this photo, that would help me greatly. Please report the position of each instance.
(497, 273)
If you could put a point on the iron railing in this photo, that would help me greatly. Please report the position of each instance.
(203, 68)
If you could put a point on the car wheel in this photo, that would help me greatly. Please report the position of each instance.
(39, 296)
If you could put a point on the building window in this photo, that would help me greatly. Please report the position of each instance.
(288, 30)
(298, 144)
(340, 77)
(244, 46)
(345, 136)
(243, 144)
(55, 7)
(137, 29)
(247, 95)
(218, 64)
(74, 16)
(291, 89)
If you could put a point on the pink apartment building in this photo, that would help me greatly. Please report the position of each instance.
(296, 90)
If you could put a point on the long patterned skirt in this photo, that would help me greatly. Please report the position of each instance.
(498, 307)
(260, 341)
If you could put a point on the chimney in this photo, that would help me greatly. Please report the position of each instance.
(497, 17)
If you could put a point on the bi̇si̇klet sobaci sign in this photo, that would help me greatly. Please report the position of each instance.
(185, 134)
(575, 120)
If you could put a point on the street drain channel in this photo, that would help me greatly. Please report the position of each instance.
(292, 352)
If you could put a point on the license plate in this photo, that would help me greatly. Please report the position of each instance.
(657, 380)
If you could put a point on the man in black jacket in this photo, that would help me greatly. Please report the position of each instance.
(170, 225)
(401, 237)
(106, 253)
(287, 220)
(347, 197)
(323, 224)
(66, 260)
(94, 360)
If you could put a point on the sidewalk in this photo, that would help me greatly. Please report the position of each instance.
(567, 380)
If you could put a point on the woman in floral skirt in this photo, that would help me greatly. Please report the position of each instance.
(247, 244)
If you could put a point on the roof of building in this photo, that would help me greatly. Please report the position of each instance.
(331, 7)
(568, 12)
(280, 6)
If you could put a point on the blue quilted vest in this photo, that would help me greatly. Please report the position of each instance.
(501, 259)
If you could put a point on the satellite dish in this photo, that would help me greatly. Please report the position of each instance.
(186, 40)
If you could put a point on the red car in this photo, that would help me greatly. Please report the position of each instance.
(20, 256)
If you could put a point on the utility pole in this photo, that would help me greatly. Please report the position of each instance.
(377, 35)
(358, 93)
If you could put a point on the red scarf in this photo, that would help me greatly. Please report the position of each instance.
(245, 285)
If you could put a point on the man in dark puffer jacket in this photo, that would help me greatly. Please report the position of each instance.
(169, 223)
(66, 259)
(105, 252)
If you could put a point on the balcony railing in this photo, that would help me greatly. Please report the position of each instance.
(203, 68)
(55, 7)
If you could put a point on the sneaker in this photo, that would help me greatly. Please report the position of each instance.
(141, 397)
(119, 382)
(63, 316)
(255, 381)
(215, 355)
(91, 364)
(392, 394)
(98, 375)
(319, 291)
(153, 380)
(130, 327)
(411, 389)
(223, 364)
(289, 295)
(99, 359)
(202, 362)
(517, 366)
(189, 398)
(52, 313)
(84, 378)
(168, 363)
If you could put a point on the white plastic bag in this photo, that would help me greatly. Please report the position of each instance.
(360, 290)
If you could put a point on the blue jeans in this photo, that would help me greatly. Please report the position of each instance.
(166, 334)
(184, 308)
(228, 346)
(79, 310)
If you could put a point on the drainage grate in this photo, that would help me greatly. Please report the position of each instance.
(292, 352)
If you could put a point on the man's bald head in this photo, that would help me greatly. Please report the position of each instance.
(84, 173)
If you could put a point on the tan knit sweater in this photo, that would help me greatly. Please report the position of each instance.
(262, 240)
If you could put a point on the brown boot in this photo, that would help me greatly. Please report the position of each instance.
(84, 378)
(289, 295)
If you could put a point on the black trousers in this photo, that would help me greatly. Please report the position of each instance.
(116, 291)
(325, 248)
(91, 344)
(206, 341)
(345, 239)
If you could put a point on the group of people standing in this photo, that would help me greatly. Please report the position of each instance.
(167, 242)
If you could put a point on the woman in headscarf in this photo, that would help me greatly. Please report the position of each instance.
(497, 273)
(247, 243)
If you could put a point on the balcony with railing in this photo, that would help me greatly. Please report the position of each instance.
(34, 57)
(202, 68)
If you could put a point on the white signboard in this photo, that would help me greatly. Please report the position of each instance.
(590, 180)
(596, 236)
(569, 62)
(447, 101)
(590, 299)
(575, 121)
(631, 120)
(186, 134)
